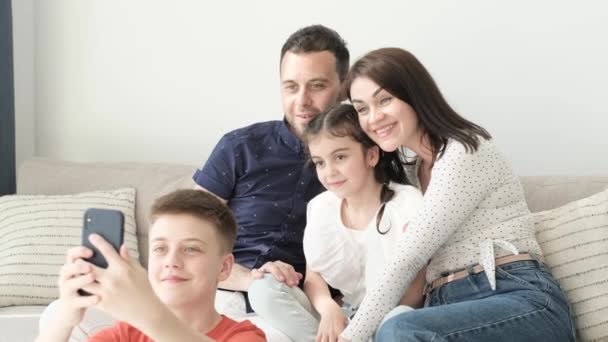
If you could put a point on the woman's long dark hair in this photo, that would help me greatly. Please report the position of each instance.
(342, 121)
(402, 75)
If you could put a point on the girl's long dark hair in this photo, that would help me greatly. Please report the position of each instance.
(401, 74)
(342, 121)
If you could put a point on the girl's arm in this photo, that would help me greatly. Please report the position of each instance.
(333, 320)
(414, 296)
(317, 291)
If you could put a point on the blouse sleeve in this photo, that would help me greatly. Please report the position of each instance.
(460, 181)
(326, 247)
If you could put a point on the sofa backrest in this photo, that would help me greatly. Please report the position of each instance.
(52, 177)
(548, 192)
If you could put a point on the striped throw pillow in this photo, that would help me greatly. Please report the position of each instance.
(37, 230)
(574, 240)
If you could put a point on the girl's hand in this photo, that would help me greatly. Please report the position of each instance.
(333, 322)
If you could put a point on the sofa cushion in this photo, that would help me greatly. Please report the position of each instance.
(36, 231)
(574, 240)
(55, 177)
(549, 192)
(19, 323)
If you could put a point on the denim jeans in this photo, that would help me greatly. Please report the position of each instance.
(527, 305)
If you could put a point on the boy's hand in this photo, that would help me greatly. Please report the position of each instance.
(123, 288)
(74, 275)
(281, 271)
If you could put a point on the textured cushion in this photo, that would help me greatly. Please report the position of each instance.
(574, 240)
(37, 230)
(55, 177)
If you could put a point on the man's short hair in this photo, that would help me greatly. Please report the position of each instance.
(202, 205)
(317, 38)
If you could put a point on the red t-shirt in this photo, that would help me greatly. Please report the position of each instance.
(226, 330)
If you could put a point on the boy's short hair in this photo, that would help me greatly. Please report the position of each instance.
(203, 205)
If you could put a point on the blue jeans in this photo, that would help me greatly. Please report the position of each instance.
(528, 305)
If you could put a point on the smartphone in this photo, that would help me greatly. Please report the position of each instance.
(107, 223)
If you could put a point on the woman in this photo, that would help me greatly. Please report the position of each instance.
(485, 273)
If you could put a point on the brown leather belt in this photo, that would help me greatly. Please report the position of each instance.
(476, 269)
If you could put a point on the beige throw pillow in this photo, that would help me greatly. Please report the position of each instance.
(37, 230)
(574, 239)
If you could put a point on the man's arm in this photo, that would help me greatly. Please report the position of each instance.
(240, 277)
(198, 187)
(239, 280)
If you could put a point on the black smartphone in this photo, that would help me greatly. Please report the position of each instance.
(107, 223)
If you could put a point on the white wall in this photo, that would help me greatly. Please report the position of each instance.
(23, 70)
(162, 80)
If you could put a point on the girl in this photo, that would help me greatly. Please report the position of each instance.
(350, 230)
(486, 278)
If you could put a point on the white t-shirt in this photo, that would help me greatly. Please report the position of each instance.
(473, 203)
(350, 259)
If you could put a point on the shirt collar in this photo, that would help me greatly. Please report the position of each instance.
(289, 138)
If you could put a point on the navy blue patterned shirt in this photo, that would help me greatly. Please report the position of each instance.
(262, 171)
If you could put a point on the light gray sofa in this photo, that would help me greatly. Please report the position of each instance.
(40, 176)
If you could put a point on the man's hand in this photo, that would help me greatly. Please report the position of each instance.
(281, 271)
(123, 288)
(333, 322)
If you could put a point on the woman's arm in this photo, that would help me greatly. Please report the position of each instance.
(460, 181)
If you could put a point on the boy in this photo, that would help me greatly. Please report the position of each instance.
(191, 239)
